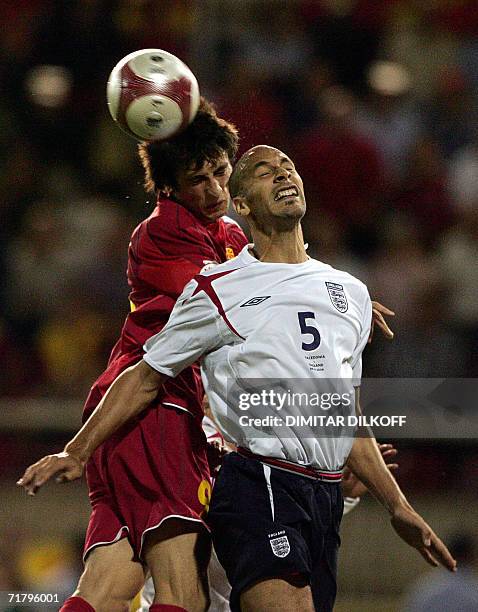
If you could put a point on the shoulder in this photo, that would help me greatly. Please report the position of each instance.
(170, 218)
(339, 280)
(222, 269)
(170, 223)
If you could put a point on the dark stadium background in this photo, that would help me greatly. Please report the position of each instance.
(377, 103)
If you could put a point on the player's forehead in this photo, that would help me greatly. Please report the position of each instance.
(207, 166)
(262, 155)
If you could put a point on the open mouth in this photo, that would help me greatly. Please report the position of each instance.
(287, 192)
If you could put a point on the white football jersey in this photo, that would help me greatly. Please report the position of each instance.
(293, 324)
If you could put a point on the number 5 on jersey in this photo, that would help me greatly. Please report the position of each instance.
(306, 328)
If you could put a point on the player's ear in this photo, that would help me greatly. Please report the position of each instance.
(241, 206)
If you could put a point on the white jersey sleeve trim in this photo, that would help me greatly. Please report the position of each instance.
(159, 368)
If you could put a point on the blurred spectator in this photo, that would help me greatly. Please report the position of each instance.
(300, 96)
(279, 56)
(342, 170)
(410, 282)
(449, 592)
(457, 259)
(347, 35)
(423, 194)
(247, 100)
(463, 176)
(389, 117)
(451, 113)
(414, 41)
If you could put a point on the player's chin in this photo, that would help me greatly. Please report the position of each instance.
(293, 210)
(215, 212)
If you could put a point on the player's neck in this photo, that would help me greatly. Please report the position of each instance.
(280, 247)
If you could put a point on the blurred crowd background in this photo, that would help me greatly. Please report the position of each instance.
(377, 103)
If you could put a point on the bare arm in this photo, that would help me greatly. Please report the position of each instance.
(127, 397)
(367, 463)
(353, 487)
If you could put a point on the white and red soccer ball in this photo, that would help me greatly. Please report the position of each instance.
(152, 94)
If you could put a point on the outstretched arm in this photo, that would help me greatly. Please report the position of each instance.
(366, 462)
(129, 395)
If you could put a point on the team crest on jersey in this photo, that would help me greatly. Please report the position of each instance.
(280, 546)
(230, 253)
(255, 301)
(337, 296)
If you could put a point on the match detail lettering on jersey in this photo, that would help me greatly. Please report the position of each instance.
(255, 301)
(337, 296)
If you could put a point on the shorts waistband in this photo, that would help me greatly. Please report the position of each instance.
(294, 468)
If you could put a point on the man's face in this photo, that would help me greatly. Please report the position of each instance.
(273, 188)
(204, 190)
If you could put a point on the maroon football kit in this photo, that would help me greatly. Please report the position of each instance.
(155, 467)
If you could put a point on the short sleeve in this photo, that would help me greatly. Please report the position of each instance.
(191, 331)
(356, 361)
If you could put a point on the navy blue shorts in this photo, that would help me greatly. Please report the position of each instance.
(268, 523)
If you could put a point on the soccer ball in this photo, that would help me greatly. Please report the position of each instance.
(152, 94)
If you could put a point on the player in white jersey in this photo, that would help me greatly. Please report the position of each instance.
(219, 587)
(277, 504)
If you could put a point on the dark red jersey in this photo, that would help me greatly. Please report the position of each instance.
(166, 251)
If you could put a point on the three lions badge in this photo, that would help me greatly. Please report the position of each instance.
(337, 296)
(280, 545)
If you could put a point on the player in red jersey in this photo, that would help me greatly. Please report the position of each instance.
(149, 484)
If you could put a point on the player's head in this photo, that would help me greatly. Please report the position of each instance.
(267, 189)
(194, 167)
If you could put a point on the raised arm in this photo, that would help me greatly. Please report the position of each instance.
(127, 397)
(367, 463)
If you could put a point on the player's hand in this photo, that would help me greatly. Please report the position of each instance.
(411, 527)
(378, 310)
(65, 466)
(353, 487)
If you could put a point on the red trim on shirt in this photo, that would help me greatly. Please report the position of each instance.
(204, 284)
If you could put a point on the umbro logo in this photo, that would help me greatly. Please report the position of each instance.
(255, 301)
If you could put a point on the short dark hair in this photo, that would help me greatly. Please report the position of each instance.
(236, 180)
(204, 140)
